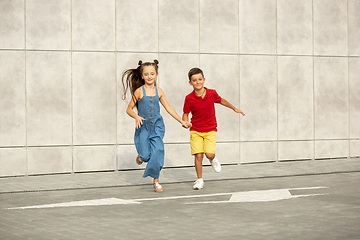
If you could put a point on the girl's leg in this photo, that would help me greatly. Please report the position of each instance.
(138, 161)
(156, 160)
(198, 164)
(157, 186)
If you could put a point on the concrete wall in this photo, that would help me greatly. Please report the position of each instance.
(292, 66)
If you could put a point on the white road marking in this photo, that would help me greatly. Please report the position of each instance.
(236, 197)
(259, 196)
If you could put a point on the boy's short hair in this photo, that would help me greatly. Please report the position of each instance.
(194, 71)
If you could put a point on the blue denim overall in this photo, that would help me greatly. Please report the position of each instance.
(149, 137)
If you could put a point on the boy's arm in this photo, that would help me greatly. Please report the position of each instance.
(185, 117)
(225, 103)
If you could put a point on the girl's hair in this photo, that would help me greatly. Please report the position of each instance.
(132, 78)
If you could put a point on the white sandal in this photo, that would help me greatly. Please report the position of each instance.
(158, 187)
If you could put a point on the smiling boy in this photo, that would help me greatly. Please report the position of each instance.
(200, 103)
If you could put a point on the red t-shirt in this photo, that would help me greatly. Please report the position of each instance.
(203, 110)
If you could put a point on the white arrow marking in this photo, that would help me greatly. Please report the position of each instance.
(259, 196)
(236, 197)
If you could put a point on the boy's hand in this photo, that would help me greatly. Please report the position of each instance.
(186, 124)
(239, 111)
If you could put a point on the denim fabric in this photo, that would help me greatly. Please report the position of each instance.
(149, 137)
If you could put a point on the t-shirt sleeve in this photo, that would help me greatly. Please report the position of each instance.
(186, 108)
(217, 98)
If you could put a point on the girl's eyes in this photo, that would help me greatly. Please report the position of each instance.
(152, 74)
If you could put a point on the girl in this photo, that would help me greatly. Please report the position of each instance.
(150, 128)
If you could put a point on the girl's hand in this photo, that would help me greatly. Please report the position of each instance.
(239, 111)
(186, 124)
(138, 121)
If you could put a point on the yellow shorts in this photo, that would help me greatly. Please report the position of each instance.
(202, 142)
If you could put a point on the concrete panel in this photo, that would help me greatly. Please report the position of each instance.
(94, 98)
(294, 27)
(46, 160)
(12, 162)
(93, 25)
(222, 74)
(179, 26)
(295, 98)
(330, 27)
(293, 150)
(12, 100)
(331, 149)
(219, 26)
(179, 155)
(126, 155)
(126, 124)
(252, 152)
(258, 98)
(354, 27)
(257, 26)
(354, 88)
(48, 89)
(227, 153)
(137, 25)
(12, 24)
(331, 98)
(173, 79)
(94, 158)
(48, 24)
(355, 148)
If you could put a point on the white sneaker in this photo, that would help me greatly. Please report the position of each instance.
(216, 165)
(199, 184)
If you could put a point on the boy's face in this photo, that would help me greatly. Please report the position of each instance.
(197, 81)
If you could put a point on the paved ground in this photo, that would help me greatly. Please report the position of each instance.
(283, 200)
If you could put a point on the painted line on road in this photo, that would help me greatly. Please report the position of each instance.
(236, 197)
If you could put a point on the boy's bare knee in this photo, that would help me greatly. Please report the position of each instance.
(210, 156)
(199, 157)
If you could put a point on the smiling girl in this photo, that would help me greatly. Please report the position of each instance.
(149, 124)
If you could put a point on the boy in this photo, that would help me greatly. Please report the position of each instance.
(200, 103)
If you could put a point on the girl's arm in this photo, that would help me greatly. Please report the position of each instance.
(225, 103)
(170, 110)
(130, 111)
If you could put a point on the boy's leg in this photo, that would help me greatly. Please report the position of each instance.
(198, 164)
(209, 148)
(199, 183)
(210, 156)
(214, 163)
(197, 149)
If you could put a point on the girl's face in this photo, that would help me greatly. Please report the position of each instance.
(149, 74)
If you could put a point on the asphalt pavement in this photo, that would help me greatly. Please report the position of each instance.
(314, 199)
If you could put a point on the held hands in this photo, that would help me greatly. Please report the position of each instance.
(239, 111)
(186, 124)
